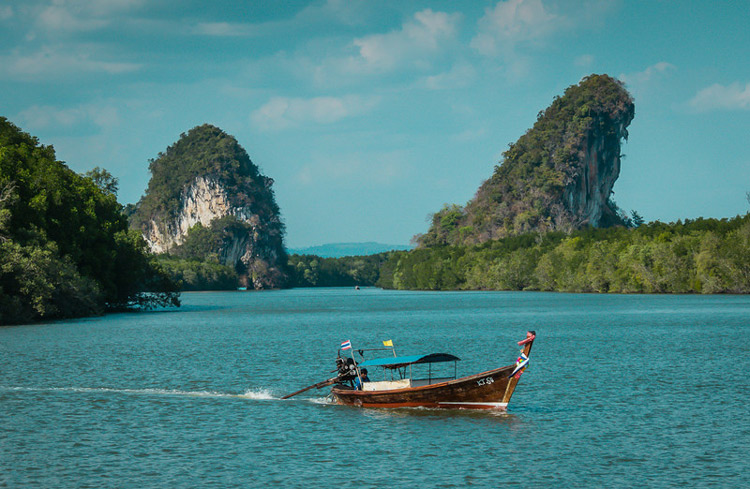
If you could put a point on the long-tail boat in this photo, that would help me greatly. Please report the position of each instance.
(492, 389)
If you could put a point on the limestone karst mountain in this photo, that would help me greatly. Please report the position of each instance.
(557, 176)
(206, 192)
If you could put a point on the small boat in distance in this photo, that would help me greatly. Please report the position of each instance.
(486, 390)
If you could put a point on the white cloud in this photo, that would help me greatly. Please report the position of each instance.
(324, 15)
(470, 135)
(100, 8)
(426, 42)
(720, 97)
(54, 62)
(648, 74)
(225, 29)
(460, 75)
(82, 15)
(58, 18)
(415, 44)
(284, 112)
(39, 117)
(348, 12)
(511, 22)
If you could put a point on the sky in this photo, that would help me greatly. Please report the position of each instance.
(370, 115)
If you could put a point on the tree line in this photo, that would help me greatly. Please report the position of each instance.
(693, 256)
(347, 271)
(194, 265)
(706, 256)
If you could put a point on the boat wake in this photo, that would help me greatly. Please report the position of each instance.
(319, 400)
(259, 395)
(262, 394)
(255, 394)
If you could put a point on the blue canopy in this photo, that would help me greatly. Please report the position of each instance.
(398, 362)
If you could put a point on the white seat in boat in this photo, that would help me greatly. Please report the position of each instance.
(386, 385)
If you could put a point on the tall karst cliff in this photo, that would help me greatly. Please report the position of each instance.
(557, 176)
(206, 184)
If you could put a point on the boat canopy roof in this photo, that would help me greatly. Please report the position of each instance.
(398, 362)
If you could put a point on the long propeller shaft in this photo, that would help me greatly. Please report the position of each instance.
(319, 385)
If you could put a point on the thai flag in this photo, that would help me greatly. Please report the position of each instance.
(347, 345)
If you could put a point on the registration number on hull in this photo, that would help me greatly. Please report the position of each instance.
(485, 381)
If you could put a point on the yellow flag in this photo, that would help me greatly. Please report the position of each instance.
(388, 343)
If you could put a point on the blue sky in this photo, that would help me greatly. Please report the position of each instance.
(370, 115)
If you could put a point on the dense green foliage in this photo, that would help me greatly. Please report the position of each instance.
(347, 271)
(207, 273)
(204, 243)
(198, 274)
(543, 176)
(203, 252)
(196, 263)
(699, 256)
(65, 247)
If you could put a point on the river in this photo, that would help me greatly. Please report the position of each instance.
(622, 391)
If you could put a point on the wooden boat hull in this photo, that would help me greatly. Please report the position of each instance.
(486, 390)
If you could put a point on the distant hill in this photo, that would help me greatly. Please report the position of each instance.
(337, 250)
(556, 177)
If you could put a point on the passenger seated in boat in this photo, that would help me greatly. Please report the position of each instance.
(363, 376)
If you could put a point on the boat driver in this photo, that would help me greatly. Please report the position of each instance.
(362, 375)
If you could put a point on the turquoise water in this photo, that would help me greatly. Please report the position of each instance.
(622, 391)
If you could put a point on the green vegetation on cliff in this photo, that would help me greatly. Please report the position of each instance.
(196, 263)
(205, 151)
(698, 256)
(65, 247)
(557, 176)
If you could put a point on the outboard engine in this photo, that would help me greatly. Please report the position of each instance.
(347, 369)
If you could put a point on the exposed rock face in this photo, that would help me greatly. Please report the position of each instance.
(557, 176)
(207, 179)
(587, 195)
(202, 201)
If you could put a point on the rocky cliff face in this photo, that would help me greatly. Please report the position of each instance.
(557, 176)
(207, 181)
(587, 195)
(204, 200)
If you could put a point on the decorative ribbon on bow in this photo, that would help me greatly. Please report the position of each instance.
(521, 363)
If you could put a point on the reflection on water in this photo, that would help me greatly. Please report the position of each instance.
(437, 413)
